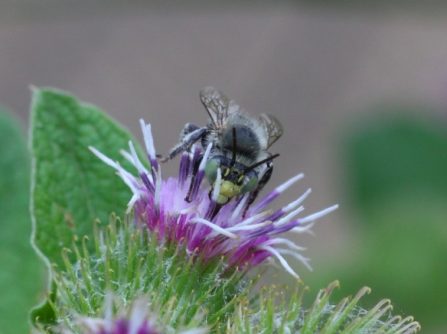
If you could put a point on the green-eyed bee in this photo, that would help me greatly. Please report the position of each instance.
(239, 148)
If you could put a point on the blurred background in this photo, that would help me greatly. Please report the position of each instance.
(361, 90)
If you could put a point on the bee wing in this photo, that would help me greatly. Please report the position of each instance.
(218, 105)
(272, 127)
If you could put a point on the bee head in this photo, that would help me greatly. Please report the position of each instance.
(235, 181)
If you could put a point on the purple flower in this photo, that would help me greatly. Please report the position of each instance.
(138, 320)
(243, 241)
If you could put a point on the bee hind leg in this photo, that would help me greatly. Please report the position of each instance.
(190, 134)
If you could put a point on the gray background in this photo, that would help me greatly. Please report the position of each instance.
(318, 68)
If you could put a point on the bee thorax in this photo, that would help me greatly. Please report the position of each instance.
(247, 141)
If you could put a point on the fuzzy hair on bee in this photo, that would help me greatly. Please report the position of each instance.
(238, 147)
(250, 135)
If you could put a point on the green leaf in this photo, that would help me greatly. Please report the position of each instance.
(20, 273)
(397, 173)
(72, 187)
(44, 313)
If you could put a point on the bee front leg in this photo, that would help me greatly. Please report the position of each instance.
(262, 182)
(191, 133)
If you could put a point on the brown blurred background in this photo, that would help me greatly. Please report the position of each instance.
(319, 68)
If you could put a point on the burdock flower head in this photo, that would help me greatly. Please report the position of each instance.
(183, 210)
(139, 317)
(177, 262)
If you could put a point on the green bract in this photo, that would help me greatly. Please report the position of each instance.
(130, 264)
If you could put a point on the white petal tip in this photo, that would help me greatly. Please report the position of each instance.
(319, 214)
(289, 182)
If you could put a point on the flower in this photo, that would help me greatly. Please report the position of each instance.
(138, 321)
(135, 319)
(244, 242)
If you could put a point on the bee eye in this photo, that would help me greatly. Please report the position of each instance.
(211, 168)
(250, 185)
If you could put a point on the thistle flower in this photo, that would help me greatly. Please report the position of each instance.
(244, 242)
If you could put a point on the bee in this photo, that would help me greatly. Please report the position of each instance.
(239, 148)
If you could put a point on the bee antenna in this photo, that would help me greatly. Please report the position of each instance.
(250, 168)
(233, 159)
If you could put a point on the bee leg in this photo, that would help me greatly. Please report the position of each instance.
(216, 210)
(190, 134)
(262, 182)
